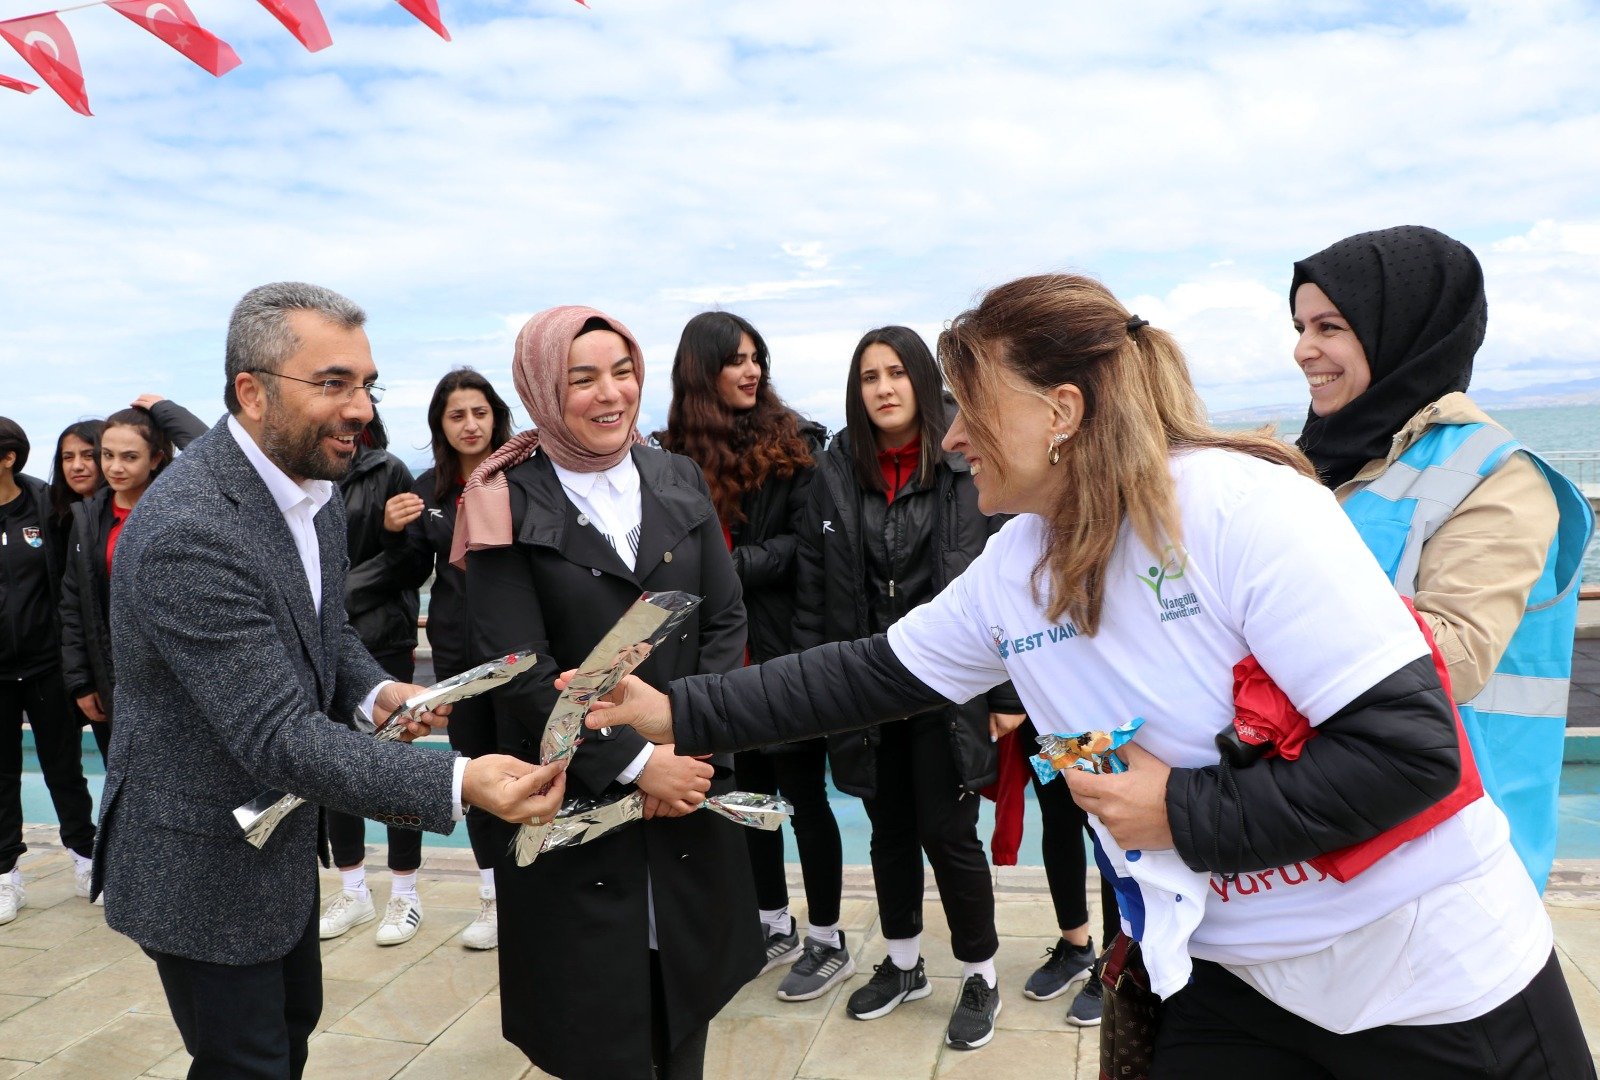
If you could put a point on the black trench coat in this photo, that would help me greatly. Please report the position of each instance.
(574, 944)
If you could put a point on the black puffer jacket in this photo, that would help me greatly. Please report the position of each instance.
(30, 581)
(834, 593)
(383, 613)
(423, 549)
(764, 547)
(86, 602)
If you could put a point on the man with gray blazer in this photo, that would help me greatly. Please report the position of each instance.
(235, 665)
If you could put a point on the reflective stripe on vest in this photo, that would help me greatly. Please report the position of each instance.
(1517, 721)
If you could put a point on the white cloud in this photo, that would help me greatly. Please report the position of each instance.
(823, 166)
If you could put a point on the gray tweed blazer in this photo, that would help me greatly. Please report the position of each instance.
(226, 682)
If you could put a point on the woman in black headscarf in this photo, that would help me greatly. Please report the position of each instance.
(1484, 536)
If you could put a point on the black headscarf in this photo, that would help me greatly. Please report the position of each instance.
(1414, 299)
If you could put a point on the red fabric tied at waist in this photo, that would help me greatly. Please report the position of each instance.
(1265, 717)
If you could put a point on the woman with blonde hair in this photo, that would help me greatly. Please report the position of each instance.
(1149, 556)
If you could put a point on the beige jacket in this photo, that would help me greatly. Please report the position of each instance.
(1477, 571)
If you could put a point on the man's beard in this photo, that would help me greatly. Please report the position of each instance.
(298, 450)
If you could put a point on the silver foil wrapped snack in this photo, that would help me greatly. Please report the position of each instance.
(650, 621)
(261, 815)
(583, 819)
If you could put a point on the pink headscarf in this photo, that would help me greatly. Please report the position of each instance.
(539, 371)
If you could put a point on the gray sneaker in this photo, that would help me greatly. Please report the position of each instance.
(821, 968)
(782, 948)
(1090, 1003)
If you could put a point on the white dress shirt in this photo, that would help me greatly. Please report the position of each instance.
(299, 501)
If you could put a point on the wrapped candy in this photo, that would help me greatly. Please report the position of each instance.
(1089, 751)
(261, 815)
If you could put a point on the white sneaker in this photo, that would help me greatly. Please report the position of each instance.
(344, 911)
(12, 896)
(484, 933)
(400, 920)
(82, 878)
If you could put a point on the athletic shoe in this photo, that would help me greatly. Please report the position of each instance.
(400, 920)
(344, 911)
(782, 948)
(1088, 1005)
(484, 933)
(972, 1020)
(819, 970)
(83, 882)
(888, 987)
(1068, 964)
(12, 896)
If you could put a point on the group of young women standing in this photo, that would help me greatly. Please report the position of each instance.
(56, 545)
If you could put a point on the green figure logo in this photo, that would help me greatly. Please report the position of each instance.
(1171, 569)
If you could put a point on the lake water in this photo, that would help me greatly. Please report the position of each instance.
(1546, 430)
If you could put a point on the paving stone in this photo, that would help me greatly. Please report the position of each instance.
(470, 1047)
(757, 1047)
(42, 927)
(359, 958)
(124, 1048)
(347, 1057)
(1014, 1053)
(53, 970)
(8, 1069)
(11, 1004)
(44, 1030)
(904, 1045)
(11, 955)
(420, 1003)
(175, 1067)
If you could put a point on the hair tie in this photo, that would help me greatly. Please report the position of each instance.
(1134, 323)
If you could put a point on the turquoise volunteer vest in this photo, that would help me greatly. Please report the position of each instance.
(1517, 724)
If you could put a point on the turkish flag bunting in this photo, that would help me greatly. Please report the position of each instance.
(303, 19)
(428, 12)
(17, 84)
(43, 41)
(174, 23)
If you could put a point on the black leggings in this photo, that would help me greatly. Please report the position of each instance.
(798, 772)
(347, 834)
(1220, 1027)
(921, 807)
(1065, 864)
(58, 744)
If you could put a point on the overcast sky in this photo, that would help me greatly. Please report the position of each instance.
(818, 166)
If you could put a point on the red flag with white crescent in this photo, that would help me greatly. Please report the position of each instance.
(43, 41)
(428, 12)
(17, 84)
(304, 20)
(174, 23)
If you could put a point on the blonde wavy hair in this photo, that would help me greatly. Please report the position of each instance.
(1140, 407)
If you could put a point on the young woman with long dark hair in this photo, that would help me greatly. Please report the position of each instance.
(132, 450)
(75, 476)
(383, 612)
(467, 421)
(758, 455)
(891, 521)
(1150, 555)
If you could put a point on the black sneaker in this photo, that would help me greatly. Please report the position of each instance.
(1068, 964)
(1089, 1004)
(972, 1020)
(821, 968)
(782, 948)
(888, 987)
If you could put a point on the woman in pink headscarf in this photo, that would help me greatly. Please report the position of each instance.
(653, 927)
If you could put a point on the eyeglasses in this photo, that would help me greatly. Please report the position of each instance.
(342, 389)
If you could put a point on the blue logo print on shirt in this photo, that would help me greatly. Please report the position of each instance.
(1007, 646)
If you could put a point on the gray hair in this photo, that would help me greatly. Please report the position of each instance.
(259, 335)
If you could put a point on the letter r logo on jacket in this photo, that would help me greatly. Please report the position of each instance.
(827, 526)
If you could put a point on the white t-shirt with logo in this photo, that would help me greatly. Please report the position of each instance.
(1269, 565)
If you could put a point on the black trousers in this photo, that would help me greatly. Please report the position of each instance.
(686, 1060)
(1220, 1027)
(249, 1021)
(59, 745)
(347, 834)
(922, 807)
(798, 772)
(101, 731)
(1065, 862)
(472, 734)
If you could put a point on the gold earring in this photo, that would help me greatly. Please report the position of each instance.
(1055, 447)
